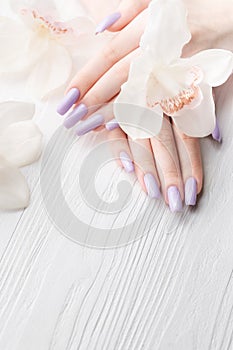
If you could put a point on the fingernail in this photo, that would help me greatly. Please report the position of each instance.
(191, 191)
(152, 186)
(107, 22)
(111, 125)
(216, 133)
(68, 101)
(90, 124)
(174, 199)
(126, 162)
(75, 116)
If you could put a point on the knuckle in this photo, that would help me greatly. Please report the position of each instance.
(165, 137)
(110, 54)
(145, 165)
(171, 175)
(121, 72)
(95, 100)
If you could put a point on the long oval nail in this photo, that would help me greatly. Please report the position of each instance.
(216, 133)
(89, 124)
(191, 191)
(107, 22)
(112, 124)
(174, 199)
(68, 101)
(126, 162)
(152, 186)
(75, 116)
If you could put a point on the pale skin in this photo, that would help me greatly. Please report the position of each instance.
(171, 157)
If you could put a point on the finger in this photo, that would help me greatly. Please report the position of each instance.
(103, 91)
(145, 168)
(110, 84)
(216, 134)
(121, 150)
(124, 43)
(97, 121)
(128, 9)
(167, 162)
(191, 165)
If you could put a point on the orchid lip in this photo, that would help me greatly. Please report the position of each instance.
(185, 98)
(47, 22)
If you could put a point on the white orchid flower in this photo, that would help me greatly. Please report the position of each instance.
(38, 43)
(20, 145)
(160, 81)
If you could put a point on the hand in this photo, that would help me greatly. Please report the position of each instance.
(169, 164)
(100, 80)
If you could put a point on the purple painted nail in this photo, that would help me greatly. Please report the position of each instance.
(191, 191)
(152, 186)
(75, 116)
(107, 22)
(90, 124)
(174, 199)
(127, 162)
(216, 133)
(68, 100)
(111, 125)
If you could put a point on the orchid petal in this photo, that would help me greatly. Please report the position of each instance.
(50, 72)
(138, 121)
(130, 107)
(14, 42)
(13, 112)
(21, 143)
(14, 191)
(77, 28)
(67, 12)
(134, 116)
(216, 65)
(170, 82)
(200, 121)
(167, 31)
(48, 7)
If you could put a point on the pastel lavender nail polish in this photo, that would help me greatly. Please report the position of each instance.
(191, 191)
(68, 101)
(107, 22)
(152, 186)
(75, 116)
(216, 133)
(90, 124)
(174, 199)
(126, 162)
(111, 125)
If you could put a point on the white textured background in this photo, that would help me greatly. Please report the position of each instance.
(173, 289)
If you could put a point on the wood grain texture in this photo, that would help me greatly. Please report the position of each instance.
(172, 289)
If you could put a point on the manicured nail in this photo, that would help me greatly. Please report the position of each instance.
(174, 199)
(75, 116)
(126, 162)
(111, 125)
(107, 22)
(191, 191)
(68, 101)
(152, 186)
(216, 133)
(90, 124)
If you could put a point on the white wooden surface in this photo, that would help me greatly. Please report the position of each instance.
(171, 289)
